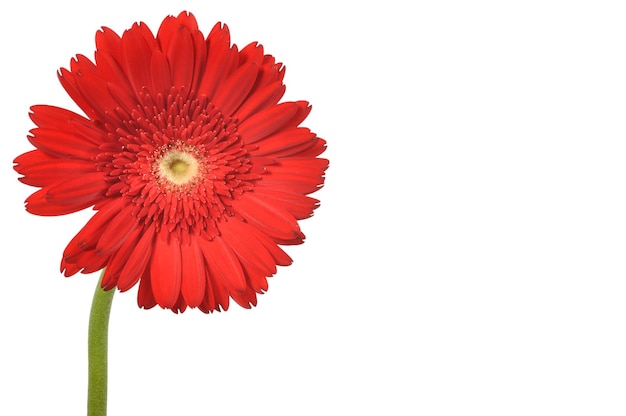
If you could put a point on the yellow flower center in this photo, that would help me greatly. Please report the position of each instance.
(178, 167)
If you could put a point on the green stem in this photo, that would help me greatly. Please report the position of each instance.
(97, 350)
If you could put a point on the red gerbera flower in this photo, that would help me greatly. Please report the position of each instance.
(196, 172)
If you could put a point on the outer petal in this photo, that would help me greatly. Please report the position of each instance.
(55, 118)
(273, 119)
(108, 42)
(137, 261)
(223, 263)
(221, 60)
(171, 25)
(63, 144)
(266, 122)
(246, 299)
(116, 264)
(216, 296)
(93, 88)
(66, 78)
(65, 198)
(85, 189)
(280, 257)
(137, 46)
(300, 206)
(295, 175)
(255, 259)
(169, 35)
(290, 140)
(193, 274)
(253, 52)
(161, 81)
(260, 99)
(40, 169)
(272, 220)
(117, 231)
(246, 246)
(88, 236)
(180, 55)
(165, 271)
(145, 296)
(234, 90)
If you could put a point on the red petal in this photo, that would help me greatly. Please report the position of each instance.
(284, 140)
(116, 231)
(306, 166)
(245, 299)
(291, 182)
(88, 236)
(109, 43)
(303, 111)
(301, 175)
(83, 189)
(166, 32)
(44, 172)
(160, 70)
(32, 157)
(260, 99)
(223, 263)
(282, 116)
(64, 198)
(180, 305)
(317, 149)
(137, 46)
(280, 257)
(221, 58)
(68, 82)
(272, 220)
(55, 118)
(87, 262)
(271, 71)
(252, 52)
(268, 76)
(194, 275)
(234, 90)
(216, 295)
(180, 55)
(300, 206)
(92, 86)
(187, 20)
(246, 246)
(137, 261)
(170, 25)
(118, 260)
(145, 297)
(167, 38)
(127, 101)
(165, 271)
(266, 122)
(63, 144)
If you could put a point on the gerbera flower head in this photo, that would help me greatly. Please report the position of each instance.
(195, 170)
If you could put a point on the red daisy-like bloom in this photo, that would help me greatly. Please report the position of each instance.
(196, 172)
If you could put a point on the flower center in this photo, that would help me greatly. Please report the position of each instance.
(178, 167)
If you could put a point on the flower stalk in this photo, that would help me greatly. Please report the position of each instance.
(97, 350)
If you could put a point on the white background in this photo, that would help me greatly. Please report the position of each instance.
(469, 255)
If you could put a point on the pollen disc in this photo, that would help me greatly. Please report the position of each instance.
(178, 167)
